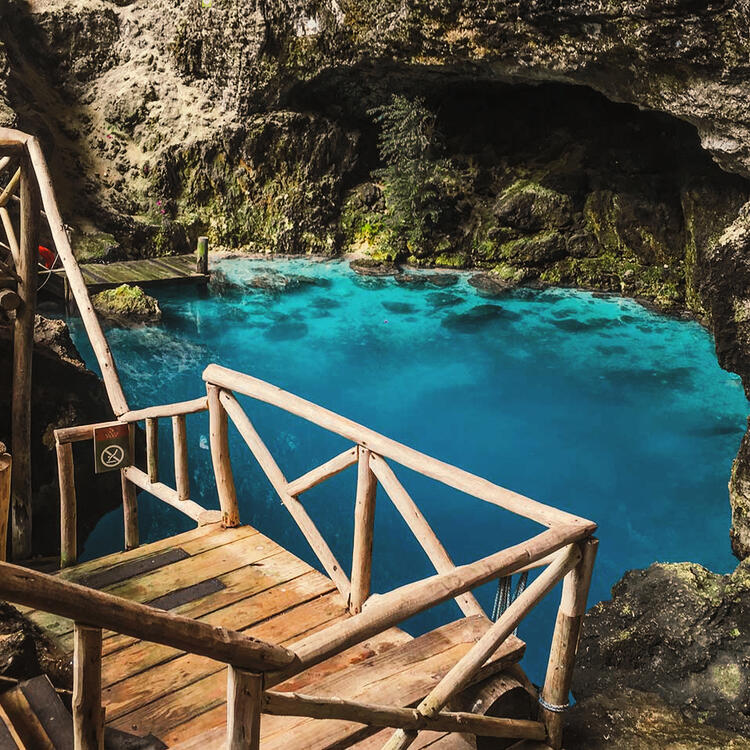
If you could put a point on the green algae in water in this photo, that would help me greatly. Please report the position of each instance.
(592, 404)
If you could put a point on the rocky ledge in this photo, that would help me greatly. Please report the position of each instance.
(127, 306)
(666, 661)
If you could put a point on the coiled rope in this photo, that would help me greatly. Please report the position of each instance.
(505, 595)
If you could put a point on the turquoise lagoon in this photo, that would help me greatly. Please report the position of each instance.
(589, 403)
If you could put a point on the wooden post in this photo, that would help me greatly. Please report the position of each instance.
(5, 471)
(88, 715)
(222, 462)
(364, 518)
(23, 351)
(562, 655)
(9, 300)
(181, 471)
(68, 508)
(130, 500)
(152, 449)
(244, 709)
(201, 264)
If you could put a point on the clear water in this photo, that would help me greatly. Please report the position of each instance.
(595, 405)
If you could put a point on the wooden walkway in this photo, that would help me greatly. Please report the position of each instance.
(149, 272)
(240, 579)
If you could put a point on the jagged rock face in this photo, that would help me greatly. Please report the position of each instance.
(64, 393)
(679, 631)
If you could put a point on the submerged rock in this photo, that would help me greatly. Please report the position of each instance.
(372, 267)
(491, 285)
(127, 306)
(676, 630)
(279, 282)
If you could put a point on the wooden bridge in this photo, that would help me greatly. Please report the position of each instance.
(221, 638)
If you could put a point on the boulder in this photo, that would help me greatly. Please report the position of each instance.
(127, 306)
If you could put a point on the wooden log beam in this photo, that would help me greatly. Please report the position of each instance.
(364, 523)
(102, 610)
(81, 432)
(278, 482)
(164, 493)
(10, 188)
(4, 161)
(75, 280)
(167, 410)
(377, 715)
(221, 460)
(10, 233)
(5, 472)
(152, 449)
(564, 646)
(10, 138)
(181, 469)
(23, 352)
(412, 459)
(319, 474)
(9, 300)
(88, 714)
(244, 709)
(422, 530)
(130, 500)
(68, 505)
(389, 609)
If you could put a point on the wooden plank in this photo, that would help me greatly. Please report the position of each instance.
(50, 711)
(27, 726)
(207, 563)
(108, 577)
(188, 594)
(238, 584)
(178, 706)
(9, 738)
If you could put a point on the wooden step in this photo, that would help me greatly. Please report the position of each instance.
(38, 715)
(401, 676)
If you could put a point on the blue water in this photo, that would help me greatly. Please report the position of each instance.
(592, 404)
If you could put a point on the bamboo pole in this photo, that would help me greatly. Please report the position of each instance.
(364, 521)
(222, 462)
(102, 610)
(278, 482)
(130, 500)
(23, 352)
(68, 506)
(181, 471)
(152, 448)
(244, 709)
(389, 609)
(377, 715)
(5, 472)
(88, 714)
(319, 474)
(412, 459)
(75, 278)
(422, 530)
(564, 646)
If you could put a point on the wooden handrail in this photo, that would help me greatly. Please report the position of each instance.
(420, 462)
(102, 610)
(377, 715)
(320, 473)
(167, 410)
(398, 605)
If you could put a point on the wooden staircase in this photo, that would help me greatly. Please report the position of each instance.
(34, 717)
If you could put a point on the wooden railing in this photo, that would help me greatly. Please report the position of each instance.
(132, 477)
(5, 470)
(566, 549)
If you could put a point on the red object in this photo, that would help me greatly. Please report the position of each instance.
(47, 256)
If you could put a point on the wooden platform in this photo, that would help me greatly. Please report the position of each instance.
(147, 273)
(240, 579)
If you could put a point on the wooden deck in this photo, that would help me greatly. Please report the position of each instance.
(240, 579)
(147, 273)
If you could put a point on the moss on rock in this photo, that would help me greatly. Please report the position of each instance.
(127, 305)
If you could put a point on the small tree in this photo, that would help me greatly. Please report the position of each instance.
(415, 180)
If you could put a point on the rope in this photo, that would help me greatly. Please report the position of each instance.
(553, 707)
(505, 596)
